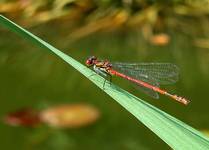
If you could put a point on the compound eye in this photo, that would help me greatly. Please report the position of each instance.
(89, 62)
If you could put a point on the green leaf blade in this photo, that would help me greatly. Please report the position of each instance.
(175, 133)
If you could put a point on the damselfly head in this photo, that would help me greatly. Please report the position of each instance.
(90, 61)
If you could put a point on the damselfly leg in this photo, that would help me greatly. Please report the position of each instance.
(110, 80)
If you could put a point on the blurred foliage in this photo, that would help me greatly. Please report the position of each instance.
(85, 17)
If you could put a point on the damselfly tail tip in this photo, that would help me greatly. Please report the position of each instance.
(181, 99)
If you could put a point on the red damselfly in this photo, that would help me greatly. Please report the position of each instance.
(147, 76)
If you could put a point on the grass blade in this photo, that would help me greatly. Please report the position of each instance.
(175, 133)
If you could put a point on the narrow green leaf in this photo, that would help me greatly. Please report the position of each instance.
(175, 133)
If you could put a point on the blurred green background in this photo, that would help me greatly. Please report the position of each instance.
(120, 30)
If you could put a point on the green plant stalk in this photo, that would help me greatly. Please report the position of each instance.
(174, 132)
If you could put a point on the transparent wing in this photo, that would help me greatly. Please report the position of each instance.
(140, 76)
(148, 91)
(163, 73)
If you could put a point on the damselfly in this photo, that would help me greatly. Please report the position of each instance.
(147, 76)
